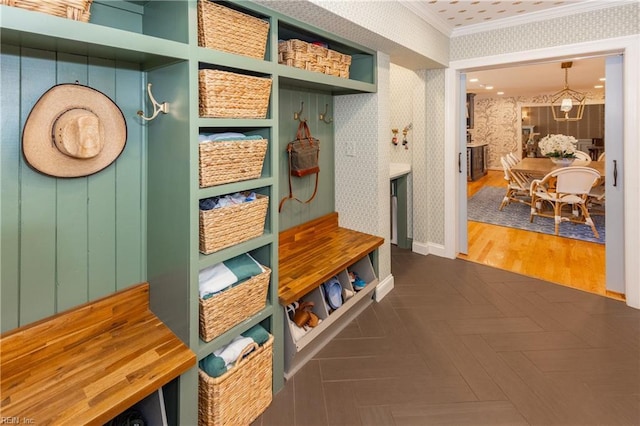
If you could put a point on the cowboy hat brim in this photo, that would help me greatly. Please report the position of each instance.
(38, 146)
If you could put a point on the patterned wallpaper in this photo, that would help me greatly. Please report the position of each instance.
(403, 83)
(405, 99)
(362, 181)
(588, 26)
(497, 121)
(432, 212)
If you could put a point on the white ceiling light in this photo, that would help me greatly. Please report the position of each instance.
(567, 104)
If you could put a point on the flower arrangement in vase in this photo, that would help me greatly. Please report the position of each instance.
(561, 149)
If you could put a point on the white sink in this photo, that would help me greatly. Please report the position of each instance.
(398, 169)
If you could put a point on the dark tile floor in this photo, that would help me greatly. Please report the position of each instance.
(465, 344)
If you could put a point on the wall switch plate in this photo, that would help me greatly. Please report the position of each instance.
(350, 149)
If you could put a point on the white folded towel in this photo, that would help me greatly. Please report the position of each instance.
(232, 351)
(215, 278)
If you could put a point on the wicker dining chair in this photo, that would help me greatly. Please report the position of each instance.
(567, 186)
(582, 159)
(517, 186)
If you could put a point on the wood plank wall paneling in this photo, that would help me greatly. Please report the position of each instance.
(67, 241)
(591, 125)
(294, 213)
(130, 193)
(9, 177)
(37, 221)
(101, 212)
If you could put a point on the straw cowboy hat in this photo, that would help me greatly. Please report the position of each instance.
(73, 131)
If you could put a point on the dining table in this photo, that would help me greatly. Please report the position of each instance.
(538, 167)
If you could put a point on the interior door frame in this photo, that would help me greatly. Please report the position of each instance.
(629, 47)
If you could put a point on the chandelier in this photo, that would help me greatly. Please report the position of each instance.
(567, 104)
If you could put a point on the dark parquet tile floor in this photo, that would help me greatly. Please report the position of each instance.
(459, 343)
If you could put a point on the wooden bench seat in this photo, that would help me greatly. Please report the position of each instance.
(90, 363)
(311, 253)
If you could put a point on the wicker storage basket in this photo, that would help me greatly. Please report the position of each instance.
(240, 395)
(231, 161)
(78, 10)
(224, 310)
(228, 30)
(230, 225)
(224, 94)
(307, 56)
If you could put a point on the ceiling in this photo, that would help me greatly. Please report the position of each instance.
(453, 16)
(469, 16)
(535, 79)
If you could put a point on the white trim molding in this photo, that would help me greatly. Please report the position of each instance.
(629, 46)
(429, 248)
(384, 287)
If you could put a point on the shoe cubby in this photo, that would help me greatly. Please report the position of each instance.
(300, 347)
(364, 270)
(319, 309)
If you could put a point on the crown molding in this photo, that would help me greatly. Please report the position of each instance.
(542, 15)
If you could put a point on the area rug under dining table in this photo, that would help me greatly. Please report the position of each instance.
(483, 207)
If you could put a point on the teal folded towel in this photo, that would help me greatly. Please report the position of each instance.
(214, 365)
(258, 334)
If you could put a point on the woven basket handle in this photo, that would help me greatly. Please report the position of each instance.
(250, 347)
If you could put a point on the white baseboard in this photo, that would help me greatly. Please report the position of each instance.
(420, 248)
(383, 288)
(428, 248)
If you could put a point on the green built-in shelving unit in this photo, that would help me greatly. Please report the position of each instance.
(155, 191)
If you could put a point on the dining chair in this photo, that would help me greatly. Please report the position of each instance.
(567, 186)
(582, 159)
(601, 157)
(512, 159)
(517, 186)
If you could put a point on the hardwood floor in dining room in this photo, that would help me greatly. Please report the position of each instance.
(565, 261)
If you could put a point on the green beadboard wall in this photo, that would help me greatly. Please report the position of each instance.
(315, 102)
(67, 241)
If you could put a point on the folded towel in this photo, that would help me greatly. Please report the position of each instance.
(232, 351)
(213, 365)
(258, 334)
(226, 136)
(227, 273)
(227, 200)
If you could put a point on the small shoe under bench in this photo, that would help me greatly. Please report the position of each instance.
(90, 363)
(309, 255)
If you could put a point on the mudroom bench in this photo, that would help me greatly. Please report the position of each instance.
(88, 364)
(309, 255)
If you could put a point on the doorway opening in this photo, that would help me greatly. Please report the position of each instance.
(499, 123)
